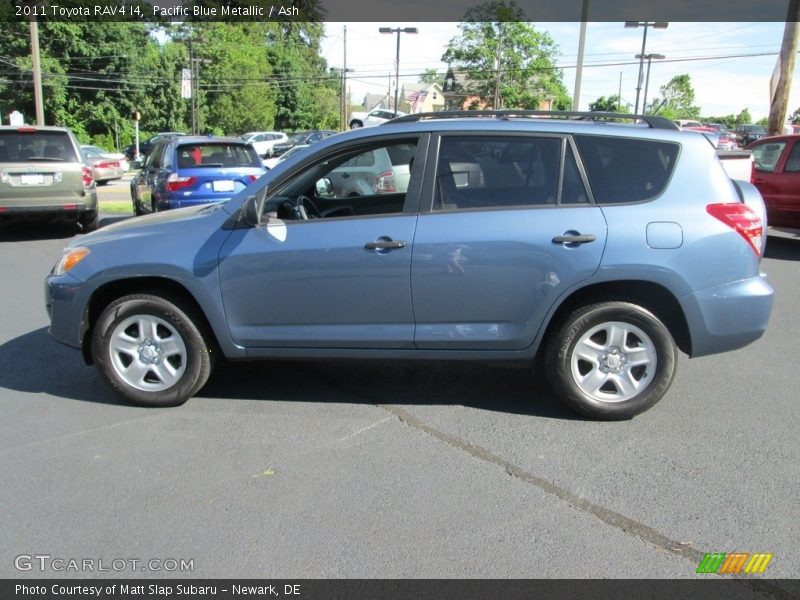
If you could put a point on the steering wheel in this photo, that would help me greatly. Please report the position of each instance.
(305, 209)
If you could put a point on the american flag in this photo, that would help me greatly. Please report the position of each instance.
(416, 98)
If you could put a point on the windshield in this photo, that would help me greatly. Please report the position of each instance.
(35, 145)
(298, 137)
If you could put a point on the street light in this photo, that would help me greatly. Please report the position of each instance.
(650, 58)
(398, 31)
(645, 24)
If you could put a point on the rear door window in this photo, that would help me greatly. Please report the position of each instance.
(626, 169)
(505, 172)
(766, 155)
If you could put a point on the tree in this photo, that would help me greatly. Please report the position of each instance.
(506, 61)
(610, 104)
(676, 100)
(430, 76)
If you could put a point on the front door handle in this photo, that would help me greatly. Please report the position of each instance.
(574, 239)
(385, 245)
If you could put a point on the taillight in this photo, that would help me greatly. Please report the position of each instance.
(88, 180)
(384, 183)
(742, 220)
(752, 169)
(252, 178)
(174, 182)
(107, 165)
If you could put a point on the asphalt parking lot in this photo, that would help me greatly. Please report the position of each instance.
(418, 470)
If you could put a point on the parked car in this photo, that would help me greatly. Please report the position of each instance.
(264, 141)
(683, 123)
(146, 146)
(186, 171)
(303, 137)
(749, 133)
(271, 163)
(597, 249)
(379, 171)
(373, 117)
(42, 175)
(120, 156)
(777, 177)
(104, 166)
(721, 141)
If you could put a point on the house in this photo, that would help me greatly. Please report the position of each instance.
(372, 101)
(421, 97)
(459, 96)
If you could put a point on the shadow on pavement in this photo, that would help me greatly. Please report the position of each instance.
(782, 248)
(23, 231)
(42, 365)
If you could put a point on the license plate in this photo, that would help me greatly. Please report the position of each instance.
(225, 185)
(37, 179)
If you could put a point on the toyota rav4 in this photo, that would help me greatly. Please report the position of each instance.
(595, 249)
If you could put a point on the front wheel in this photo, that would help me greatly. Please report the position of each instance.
(151, 351)
(611, 360)
(356, 125)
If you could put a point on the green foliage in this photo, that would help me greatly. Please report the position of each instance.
(610, 104)
(499, 52)
(676, 100)
(795, 117)
(430, 76)
(259, 75)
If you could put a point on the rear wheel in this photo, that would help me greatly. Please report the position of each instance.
(611, 360)
(152, 351)
(356, 125)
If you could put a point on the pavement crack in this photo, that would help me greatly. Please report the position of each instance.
(614, 519)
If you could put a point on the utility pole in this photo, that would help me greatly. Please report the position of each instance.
(576, 97)
(37, 72)
(345, 103)
(779, 99)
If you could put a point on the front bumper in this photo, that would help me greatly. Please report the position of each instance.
(65, 308)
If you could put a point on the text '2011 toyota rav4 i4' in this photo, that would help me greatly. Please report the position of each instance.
(597, 248)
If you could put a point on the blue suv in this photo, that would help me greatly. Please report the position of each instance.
(593, 248)
(186, 171)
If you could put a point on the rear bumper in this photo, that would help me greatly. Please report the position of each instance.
(71, 210)
(729, 316)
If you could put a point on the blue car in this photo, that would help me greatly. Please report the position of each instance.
(597, 250)
(186, 171)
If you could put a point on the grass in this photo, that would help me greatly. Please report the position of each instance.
(116, 206)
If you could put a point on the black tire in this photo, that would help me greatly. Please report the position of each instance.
(175, 340)
(90, 221)
(103, 182)
(608, 387)
(356, 125)
(137, 207)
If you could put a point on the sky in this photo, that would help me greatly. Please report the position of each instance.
(730, 64)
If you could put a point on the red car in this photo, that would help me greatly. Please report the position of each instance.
(777, 162)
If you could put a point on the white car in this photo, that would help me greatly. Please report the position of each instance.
(374, 117)
(264, 141)
(271, 162)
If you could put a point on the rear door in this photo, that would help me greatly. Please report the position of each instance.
(509, 227)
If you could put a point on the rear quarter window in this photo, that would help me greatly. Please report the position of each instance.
(626, 169)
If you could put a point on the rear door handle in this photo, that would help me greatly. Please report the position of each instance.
(385, 245)
(574, 239)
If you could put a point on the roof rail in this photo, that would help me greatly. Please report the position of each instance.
(652, 121)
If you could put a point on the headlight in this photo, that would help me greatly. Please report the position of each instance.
(71, 257)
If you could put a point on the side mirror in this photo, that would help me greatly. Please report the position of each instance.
(324, 187)
(251, 210)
